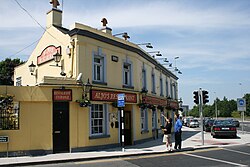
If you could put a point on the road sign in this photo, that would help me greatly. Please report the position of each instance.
(120, 100)
(241, 104)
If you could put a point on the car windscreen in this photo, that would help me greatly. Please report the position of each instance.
(222, 122)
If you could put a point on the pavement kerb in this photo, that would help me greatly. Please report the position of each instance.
(189, 149)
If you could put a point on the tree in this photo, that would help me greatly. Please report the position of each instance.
(7, 70)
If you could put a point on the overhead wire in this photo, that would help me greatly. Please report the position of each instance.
(39, 25)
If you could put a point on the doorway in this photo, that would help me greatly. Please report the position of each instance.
(60, 127)
(127, 128)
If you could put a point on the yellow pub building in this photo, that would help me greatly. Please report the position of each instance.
(65, 95)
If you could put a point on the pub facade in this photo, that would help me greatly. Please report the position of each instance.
(65, 95)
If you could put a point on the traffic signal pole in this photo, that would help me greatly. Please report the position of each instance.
(201, 114)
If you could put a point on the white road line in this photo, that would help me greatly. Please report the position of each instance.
(236, 151)
(218, 160)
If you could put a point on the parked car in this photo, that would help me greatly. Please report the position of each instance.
(223, 128)
(235, 122)
(208, 124)
(194, 123)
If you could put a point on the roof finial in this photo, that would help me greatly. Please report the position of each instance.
(54, 3)
(104, 22)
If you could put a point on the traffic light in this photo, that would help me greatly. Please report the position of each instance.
(196, 97)
(205, 96)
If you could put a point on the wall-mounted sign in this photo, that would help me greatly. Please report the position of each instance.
(99, 95)
(114, 58)
(47, 54)
(154, 101)
(62, 95)
(173, 104)
(4, 139)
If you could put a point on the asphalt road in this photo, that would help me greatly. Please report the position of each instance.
(227, 156)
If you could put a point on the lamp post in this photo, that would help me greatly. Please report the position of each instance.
(215, 104)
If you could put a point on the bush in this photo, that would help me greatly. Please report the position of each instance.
(235, 114)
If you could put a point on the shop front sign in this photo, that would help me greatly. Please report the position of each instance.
(173, 104)
(62, 95)
(47, 54)
(99, 95)
(154, 101)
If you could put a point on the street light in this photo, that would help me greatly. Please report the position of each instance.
(157, 53)
(124, 35)
(148, 45)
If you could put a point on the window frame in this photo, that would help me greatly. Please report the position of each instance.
(105, 127)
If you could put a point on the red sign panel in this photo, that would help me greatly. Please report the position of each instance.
(48, 53)
(62, 95)
(154, 101)
(98, 95)
(173, 104)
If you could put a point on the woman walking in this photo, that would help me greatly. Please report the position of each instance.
(167, 134)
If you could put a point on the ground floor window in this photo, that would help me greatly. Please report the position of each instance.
(98, 119)
(144, 121)
(9, 114)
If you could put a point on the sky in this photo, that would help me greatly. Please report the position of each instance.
(210, 37)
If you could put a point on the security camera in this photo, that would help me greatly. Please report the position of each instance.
(79, 78)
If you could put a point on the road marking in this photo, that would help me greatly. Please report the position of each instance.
(236, 151)
(218, 160)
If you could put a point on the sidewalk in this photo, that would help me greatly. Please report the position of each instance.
(191, 141)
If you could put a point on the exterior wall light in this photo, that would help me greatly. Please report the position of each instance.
(85, 100)
(124, 35)
(32, 68)
(148, 45)
(57, 58)
(157, 53)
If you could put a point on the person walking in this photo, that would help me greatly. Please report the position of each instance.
(177, 132)
(167, 133)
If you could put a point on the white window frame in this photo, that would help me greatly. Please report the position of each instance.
(94, 119)
(167, 89)
(144, 79)
(102, 64)
(153, 82)
(19, 81)
(154, 120)
(144, 119)
(129, 73)
(161, 86)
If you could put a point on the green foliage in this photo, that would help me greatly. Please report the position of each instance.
(7, 70)
(225, 108)
(235, 114)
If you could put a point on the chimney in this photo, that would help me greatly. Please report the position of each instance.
(54, 16)
(106, 29)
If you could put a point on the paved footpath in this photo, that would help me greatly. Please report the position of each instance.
(191, 141)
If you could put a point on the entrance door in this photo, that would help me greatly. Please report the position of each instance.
(60, 127)
(127, 128)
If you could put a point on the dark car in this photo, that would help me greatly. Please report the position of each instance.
(223, 128)
(236, 122)
(208, 124)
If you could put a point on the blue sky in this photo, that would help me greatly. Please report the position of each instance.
(210, 37)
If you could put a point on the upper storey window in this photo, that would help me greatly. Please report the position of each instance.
(99, 68)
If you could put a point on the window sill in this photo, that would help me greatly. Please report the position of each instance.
(144, 131)
(99, 83)
(128, 87)
(99, 136)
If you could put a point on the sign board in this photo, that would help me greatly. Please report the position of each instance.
(120, 100)
(241, 104)
(4, 139)
(99, 95)
(62, 95)
(48, 53)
